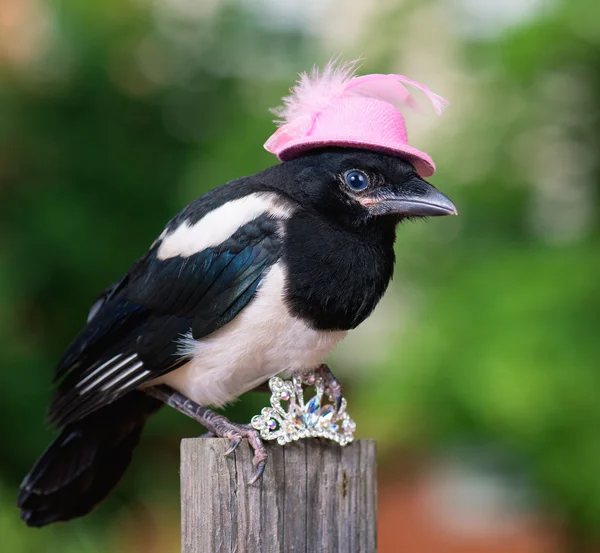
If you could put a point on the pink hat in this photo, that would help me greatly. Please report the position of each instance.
(338, 109)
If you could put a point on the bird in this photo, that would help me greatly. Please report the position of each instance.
(262, 275)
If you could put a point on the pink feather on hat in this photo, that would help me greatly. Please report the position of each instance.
(336, 108)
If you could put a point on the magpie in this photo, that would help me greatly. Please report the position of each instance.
(262, 275)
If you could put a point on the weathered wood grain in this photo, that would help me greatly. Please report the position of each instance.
(314, 497)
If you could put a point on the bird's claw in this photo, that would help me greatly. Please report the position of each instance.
(332, 385)
(236, 433)
(338, 403)
(234, 444)
(259, 472)
(260, 454)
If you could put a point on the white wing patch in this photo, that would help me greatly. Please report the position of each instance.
(120, 368)
(218, 225)
(110, 385)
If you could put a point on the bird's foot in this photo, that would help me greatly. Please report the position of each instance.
(332, 384)
(224, 428)
(216, 424)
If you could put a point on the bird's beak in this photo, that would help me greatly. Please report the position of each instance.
(417, 198)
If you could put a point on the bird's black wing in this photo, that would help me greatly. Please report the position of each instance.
(134, 329)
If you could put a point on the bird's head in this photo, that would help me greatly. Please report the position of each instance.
(358, 187)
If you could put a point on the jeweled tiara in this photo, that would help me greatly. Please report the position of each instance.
(290, 418)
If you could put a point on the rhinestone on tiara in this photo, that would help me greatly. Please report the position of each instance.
(289, 418)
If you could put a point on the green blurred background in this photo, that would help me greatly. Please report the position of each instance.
(478, 373)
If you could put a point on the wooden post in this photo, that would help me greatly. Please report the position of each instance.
(314, 497)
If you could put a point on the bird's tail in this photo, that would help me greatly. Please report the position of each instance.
(84, 462)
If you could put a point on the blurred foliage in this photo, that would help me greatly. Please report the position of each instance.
(132, 110)
(503, 347)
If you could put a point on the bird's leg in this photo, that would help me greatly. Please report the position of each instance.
(332, 384)
(216, 424)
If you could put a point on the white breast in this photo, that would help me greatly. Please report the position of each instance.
(262, 341)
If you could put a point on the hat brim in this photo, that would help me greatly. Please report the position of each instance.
(420, 160)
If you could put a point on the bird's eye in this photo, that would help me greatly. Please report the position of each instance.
(356, 180)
